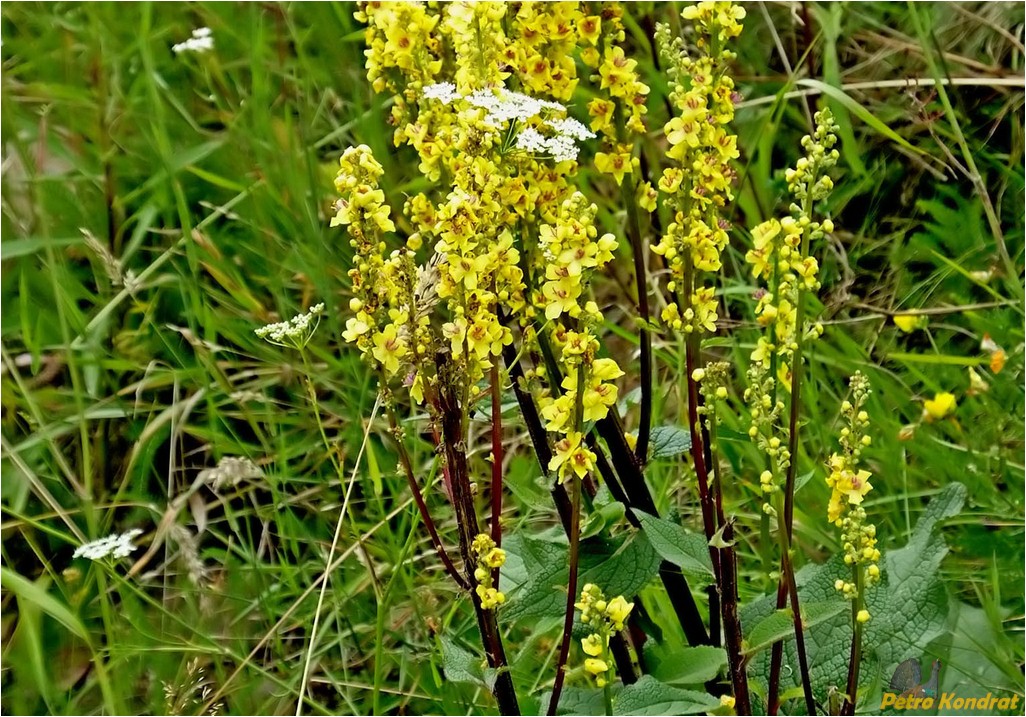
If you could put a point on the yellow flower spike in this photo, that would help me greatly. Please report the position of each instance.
(940, 406)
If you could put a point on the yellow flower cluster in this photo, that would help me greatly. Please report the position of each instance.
(385, 324)
(698, 184)
(489, 558)
(476, 32)
(603, 618)
(400, 36)
(618, 112)
(544, 35)
(569, 252)
(780, 261)
(849, 486)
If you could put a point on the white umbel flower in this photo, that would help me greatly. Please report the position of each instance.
(444, 92)
(202, 40)
(572, 128)
(294, 333)
(116, 546)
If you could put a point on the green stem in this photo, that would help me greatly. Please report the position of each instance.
(851, 693)
(791, 588)
(607, 698)
(575, 539)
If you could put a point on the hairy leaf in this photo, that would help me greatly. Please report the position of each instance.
(687, 550)
(669, 441)
(649, 696)
(686, 665)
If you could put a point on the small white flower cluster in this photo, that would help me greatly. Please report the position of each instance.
(294, 333)
(202, 40)
(561, 147)
(504, 106)
(444, 92)
(116, 546)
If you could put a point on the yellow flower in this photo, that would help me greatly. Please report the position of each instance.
(572, 457)
(388, 349)
(494, 558)
(589, 29)
(595, 666)
(863, 616)
(849, 488)
(617, 164)
(356, 327)
(909, 322)
(592, 645)
(941, 405)
(617, 611)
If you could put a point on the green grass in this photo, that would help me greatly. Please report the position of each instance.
(209, 178)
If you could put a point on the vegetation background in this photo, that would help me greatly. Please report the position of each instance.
(157, 208)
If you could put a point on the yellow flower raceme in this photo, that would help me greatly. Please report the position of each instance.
(848, 487)
(489, 558)
(476, 32)
(618, 113)
(698, 184)
(603, 618)
(542, 38)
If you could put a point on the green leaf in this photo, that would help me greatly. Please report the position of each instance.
(578, 701)
(669, 441)
(537, 571)
(462, 666)
(603, 516)
(686, 665)
(801, 481)
(909, 608)
(36, 594)
(780, 624)
(687, 550)
(649, 696)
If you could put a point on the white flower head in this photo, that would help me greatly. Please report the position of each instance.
(294, 333)
(503, 105)
(202, 40)
(116, 546)
(444, 92)
(560, 147)
(570, 127)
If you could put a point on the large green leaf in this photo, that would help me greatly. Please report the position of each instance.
(779, 624)
(36, 594)
(461, 665)
(687, 550)
(909, 608)
(649, 696)
(536, 572)
(686, 665)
